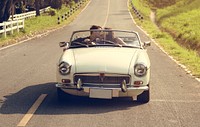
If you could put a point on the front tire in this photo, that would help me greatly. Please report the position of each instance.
(144, 97)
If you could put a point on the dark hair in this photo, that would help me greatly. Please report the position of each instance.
(94, 27)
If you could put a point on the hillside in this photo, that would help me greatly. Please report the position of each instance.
(161, 3)
(180, 18)
(174, 25)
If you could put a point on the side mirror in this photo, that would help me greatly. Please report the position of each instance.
(65, 45)
(62, 44)
(147, 44)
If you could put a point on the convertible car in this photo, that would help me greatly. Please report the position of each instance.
(103, 67)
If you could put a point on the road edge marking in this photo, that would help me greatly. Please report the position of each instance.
(85, 7)
(31, 111)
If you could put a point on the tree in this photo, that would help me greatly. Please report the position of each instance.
(57, 4)
(5, 9)
(37, 7)
(6, 6)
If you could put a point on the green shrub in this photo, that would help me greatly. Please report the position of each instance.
(52, 12)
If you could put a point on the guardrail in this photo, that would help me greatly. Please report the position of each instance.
(17, 21)
(27, 14)
(71, 11)
(137, 13)
(10, 26)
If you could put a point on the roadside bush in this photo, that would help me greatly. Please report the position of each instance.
(52, 12)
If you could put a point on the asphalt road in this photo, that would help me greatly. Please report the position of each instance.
(27, 70)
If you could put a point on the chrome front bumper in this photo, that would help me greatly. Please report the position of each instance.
(115, 92)
(69, 86)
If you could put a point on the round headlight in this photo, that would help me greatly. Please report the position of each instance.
(64, 68)
(140, 70)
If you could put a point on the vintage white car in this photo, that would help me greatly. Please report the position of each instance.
(104, 67)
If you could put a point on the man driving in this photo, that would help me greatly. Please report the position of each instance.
(90, 39)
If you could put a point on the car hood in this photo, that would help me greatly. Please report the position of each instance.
(106, 60)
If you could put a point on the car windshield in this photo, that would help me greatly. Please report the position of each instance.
(115, 38)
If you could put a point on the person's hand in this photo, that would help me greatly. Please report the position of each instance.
(89, 42)
(92, 43)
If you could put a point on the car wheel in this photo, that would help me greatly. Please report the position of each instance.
(60, 95)
(144, 97)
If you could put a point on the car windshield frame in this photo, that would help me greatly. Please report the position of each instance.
(110, 43)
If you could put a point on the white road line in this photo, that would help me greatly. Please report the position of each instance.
(31, 111)
(106, 20)
(85, 7)
(16, 43)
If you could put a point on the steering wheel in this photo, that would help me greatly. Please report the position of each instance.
(110, 42)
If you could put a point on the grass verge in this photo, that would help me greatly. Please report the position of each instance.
(40, 24)
(185, 56)
(181, 21)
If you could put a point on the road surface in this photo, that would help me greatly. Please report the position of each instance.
(27, 78)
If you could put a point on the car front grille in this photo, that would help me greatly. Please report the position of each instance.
(99, 79)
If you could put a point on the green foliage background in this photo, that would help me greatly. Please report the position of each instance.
(177, 29)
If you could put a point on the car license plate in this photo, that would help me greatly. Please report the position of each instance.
(100, 93)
